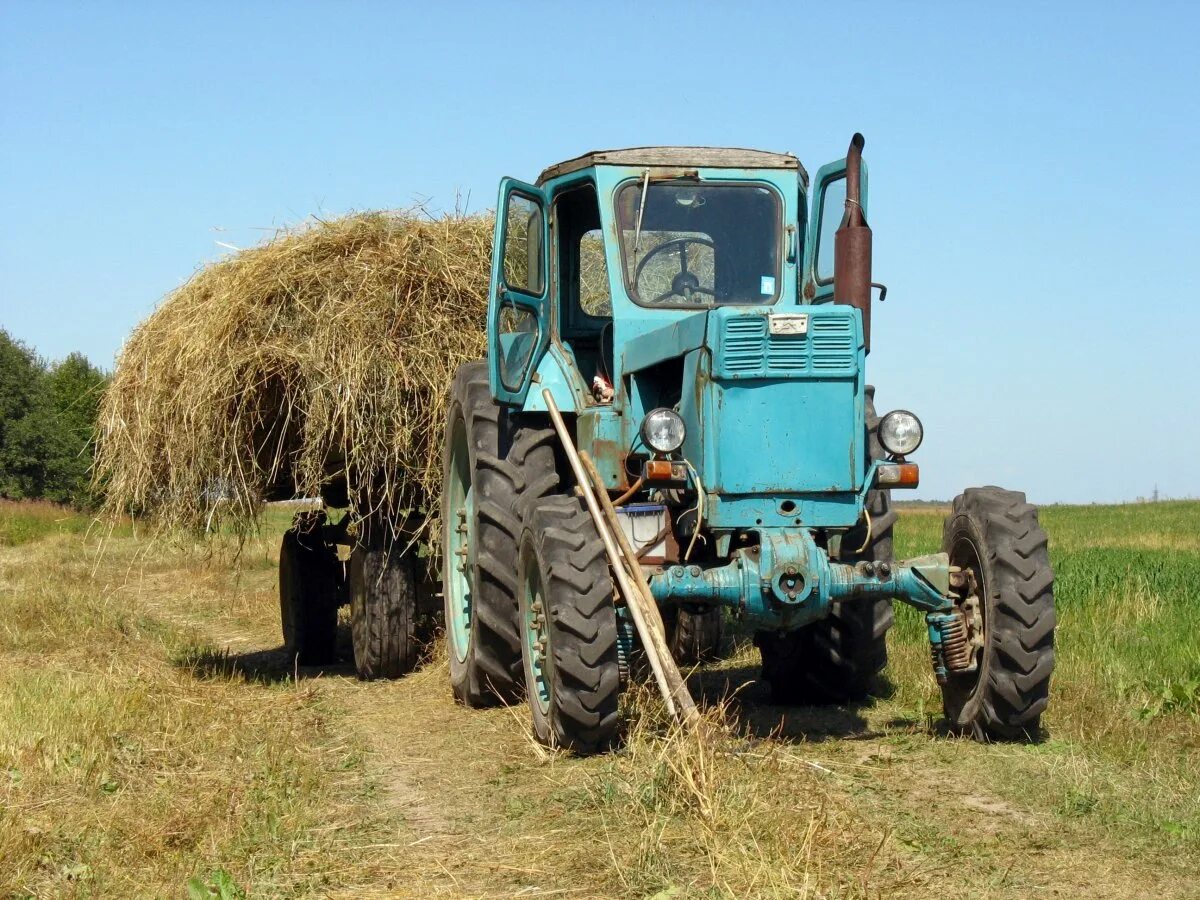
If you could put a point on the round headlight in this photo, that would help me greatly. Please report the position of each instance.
(663, 430)
(900, 432)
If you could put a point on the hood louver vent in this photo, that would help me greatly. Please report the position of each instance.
(748, 350)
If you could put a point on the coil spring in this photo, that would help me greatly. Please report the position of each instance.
(935, 656)
(625, 644)
(956, 650)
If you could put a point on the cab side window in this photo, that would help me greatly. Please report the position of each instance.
(594, 297)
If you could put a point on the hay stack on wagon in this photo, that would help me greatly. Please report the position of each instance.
(318, 360)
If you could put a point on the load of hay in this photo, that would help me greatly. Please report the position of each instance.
(323, 355)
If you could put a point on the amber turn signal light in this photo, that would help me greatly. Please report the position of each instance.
(901, 475)
(665, 470)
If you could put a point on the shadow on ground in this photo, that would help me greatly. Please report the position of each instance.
(258, 666)
(270, 666)
(748, 700)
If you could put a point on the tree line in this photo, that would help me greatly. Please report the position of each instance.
(47, 422)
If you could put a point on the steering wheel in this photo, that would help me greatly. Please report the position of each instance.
(685, 284)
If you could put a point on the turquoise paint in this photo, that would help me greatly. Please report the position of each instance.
(631, 321)
(498, 295)
(460, 544)
(536, 632)
(789, 582)
(785, 412)
(560, 376)
(675, 338)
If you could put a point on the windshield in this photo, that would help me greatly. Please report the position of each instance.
(699, 244)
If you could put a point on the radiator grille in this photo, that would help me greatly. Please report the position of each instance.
(748, 349)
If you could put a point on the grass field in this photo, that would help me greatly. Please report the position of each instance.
(155, 742)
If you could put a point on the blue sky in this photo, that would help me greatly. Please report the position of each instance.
(1033, 191)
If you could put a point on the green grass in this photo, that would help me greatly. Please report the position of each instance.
(1126, 583)
(23, 522)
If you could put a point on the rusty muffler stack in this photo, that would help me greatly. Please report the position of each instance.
(852, 244)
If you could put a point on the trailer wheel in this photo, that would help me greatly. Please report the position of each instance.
(569, 627)
(694, 636)
(488, 471)
(309, 576)
(838, 659)
(383, 609)
(994, 537)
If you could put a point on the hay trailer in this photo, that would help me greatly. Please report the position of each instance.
(676, 368)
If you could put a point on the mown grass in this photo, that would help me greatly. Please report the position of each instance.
(150, 733)
(122, 771)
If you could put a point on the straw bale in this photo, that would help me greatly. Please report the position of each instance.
(323, 354)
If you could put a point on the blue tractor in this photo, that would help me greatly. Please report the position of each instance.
(699, 320)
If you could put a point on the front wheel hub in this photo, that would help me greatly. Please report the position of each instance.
(537, 642)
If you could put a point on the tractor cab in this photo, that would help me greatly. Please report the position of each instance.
(693, 282)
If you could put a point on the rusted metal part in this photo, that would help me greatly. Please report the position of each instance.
(852, 245)
(955, 644)
(684, 159)
(610, 457)
(672, 551)
(971, 611)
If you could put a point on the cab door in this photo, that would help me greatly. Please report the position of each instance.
(828, 207)
(519, 294)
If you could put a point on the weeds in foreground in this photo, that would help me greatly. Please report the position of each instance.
(707, 810)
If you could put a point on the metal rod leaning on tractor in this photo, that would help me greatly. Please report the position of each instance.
(632, 585)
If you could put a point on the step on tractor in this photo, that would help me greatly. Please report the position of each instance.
(672, 430)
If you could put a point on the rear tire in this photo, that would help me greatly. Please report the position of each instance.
(383, 609)
(569, 628)
(838, 659)
(488, 472)
(995, 534)
(309, 576)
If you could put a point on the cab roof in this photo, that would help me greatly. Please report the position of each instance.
(678, 158)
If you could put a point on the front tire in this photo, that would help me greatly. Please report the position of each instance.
(489, 470)
(994, 537)
(569, 628)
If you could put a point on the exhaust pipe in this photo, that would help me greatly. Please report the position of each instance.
(852, 245)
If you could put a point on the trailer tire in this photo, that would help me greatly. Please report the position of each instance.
(383, 608)
(565, 595)
(309, 576)
(693, 636)
(995, 533)
(838, 659)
